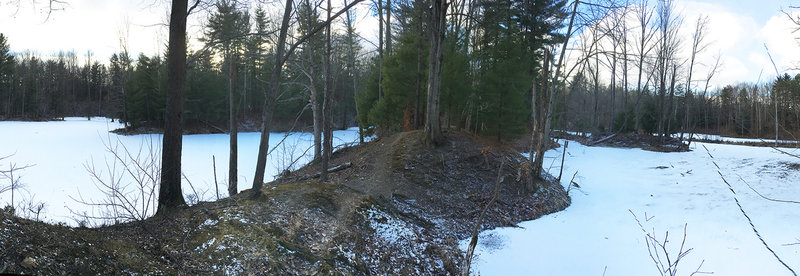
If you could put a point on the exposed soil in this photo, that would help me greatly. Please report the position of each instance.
(628, 140)
(523, 143)
(401, 209)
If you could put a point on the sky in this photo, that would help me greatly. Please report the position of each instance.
(738, 31)
(99, 26)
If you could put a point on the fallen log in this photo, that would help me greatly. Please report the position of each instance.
(602, 139)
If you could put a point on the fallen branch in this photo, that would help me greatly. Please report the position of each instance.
(476, 229)
(602, 139)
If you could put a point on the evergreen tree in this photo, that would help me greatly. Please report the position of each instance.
(6, 75)
(503, 84)
(146, 100)
(226, 29)
(504, 75)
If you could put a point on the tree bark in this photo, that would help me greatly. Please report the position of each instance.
(388, 27)
(433, 131)
(315, 110)
(380, 49)
(281, 55)
(233, 171)
(269, 103)
(418, 86)
(169, 194)
(327, 104)
(548, 116)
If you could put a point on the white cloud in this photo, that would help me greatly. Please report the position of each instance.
(782, 43)
(83, 25)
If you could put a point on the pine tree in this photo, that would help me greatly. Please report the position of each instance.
(6, 75)
(226, 29)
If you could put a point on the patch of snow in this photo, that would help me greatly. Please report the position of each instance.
(387, 227)
(205, 245)
(210, 222)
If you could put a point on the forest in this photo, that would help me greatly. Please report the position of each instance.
(628, 77)
(449, 128)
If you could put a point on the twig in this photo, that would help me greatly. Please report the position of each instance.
(569, 185)
(214, 164)
(765, 197)
(660, 255)
(735, 198)
(563, 155)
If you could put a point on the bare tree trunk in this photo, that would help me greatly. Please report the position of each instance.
(388, 27)
(417, 99)
(538, 159)
(671, 105)
(380, 49)
(351, 36)
(595, 116)
(534, 118)
(169, 194)
(613, 85)
(269, 103)
(327, 104)
(233, 168)
(315, 109)
(281, 55)
(433, 132)
(548, 117)
(697, 40)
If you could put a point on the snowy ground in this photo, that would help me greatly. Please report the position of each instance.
(598, 235)
(59, 152)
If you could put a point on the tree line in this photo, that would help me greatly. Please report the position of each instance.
(230, 72)
(634, 73)
(495, 68)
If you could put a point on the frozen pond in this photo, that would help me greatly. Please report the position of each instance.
(60, 152)
(598, 235)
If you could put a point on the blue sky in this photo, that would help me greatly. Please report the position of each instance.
(738, 31)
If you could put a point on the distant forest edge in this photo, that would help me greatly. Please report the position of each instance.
(133, 88)
(491, 71)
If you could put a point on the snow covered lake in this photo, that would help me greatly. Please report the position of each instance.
(60, 151)
(598, 235)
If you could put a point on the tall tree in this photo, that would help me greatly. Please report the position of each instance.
(644, 15)
(281, 55)
(667, 48)
(226, 31)
(170, 195)
(352, 45)
(552, 87)
(308, 17)
(388, 27)
(6, 75)
(433, 132)
(697, 47)
(327, 104)
(379, 7)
